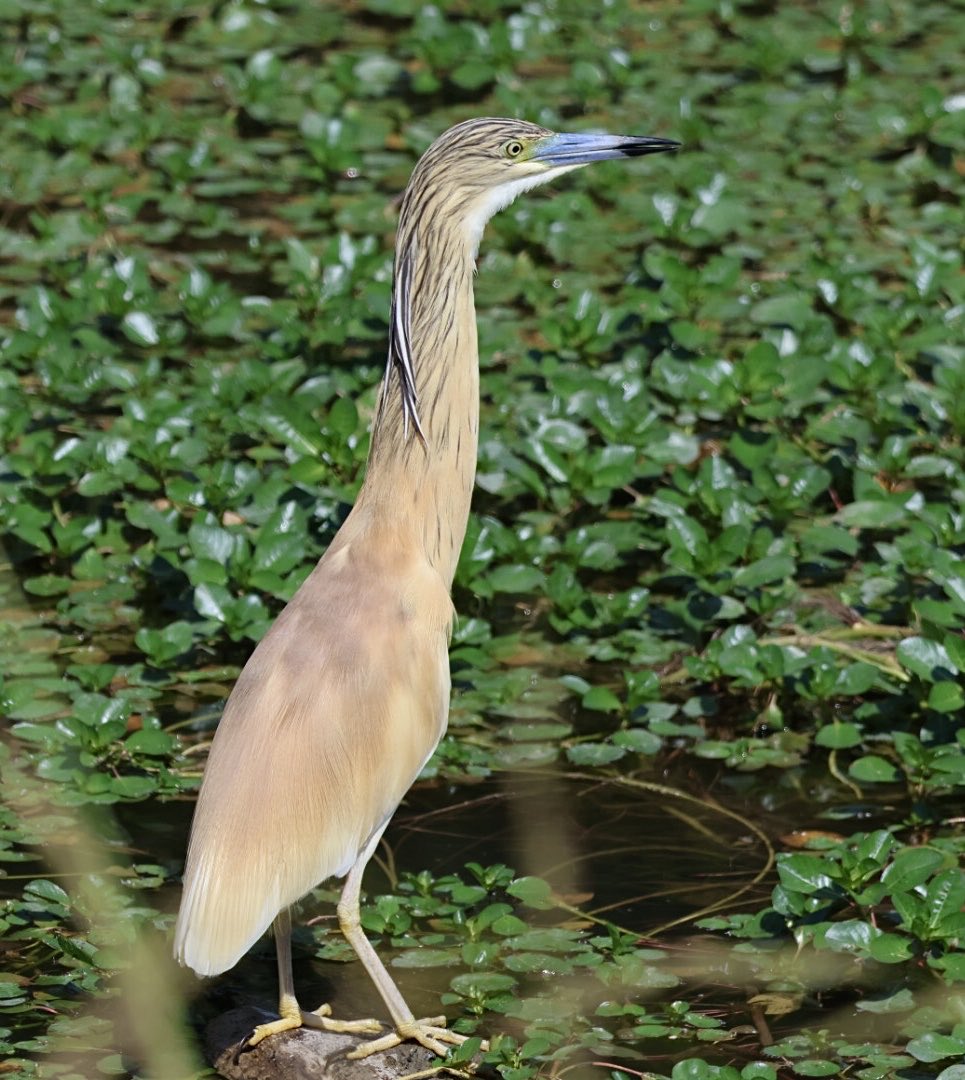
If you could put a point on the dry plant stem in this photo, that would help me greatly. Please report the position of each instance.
(840, 777)
(836, 639)
(761, 1025)
(833, 642)
(465, 1071)
(676, 793)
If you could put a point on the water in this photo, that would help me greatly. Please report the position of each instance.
(634, 858)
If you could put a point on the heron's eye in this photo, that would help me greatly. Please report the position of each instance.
(513, 149)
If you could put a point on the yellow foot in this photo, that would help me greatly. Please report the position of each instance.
(430, 1032)
(293, 1017)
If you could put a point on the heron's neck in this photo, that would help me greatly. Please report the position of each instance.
(424, 488)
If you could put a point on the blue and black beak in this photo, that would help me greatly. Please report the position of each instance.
(558, 150)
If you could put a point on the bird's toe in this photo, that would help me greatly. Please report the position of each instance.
(274, 1027)
(322, 1019)
(429, 1032)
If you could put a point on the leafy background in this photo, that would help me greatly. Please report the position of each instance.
(716, 545)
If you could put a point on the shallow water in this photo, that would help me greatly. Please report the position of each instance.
(637, 858)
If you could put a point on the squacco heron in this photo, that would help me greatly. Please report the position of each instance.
(347, 695)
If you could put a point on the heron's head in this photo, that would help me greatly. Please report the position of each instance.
(478, 167)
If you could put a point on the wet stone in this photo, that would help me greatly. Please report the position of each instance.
(304, 1054)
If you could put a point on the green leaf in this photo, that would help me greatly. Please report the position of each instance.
(536, 731)
(639, 740)
(693, 1069)
(279, 552)
(933, 1047)
(525, 963)
(850, 935)
(152, 742)
(164, 645)
(47, 585)
(855, 679)
(343, 417)
(482, 982)
(43, 889)
(925, 658)
(875, 846)
(140, 328)
(815, 1067)
(133, 787)
(792, 309)
(901, 1001)
(514, 578)
(547, 940)
(839, 736)
(686, 532)
(601, 699)
(955, 648)
(759, 1070)
(509, 925)
(804, 873)
(534, 892)
(953, 966)
(425, 958)
(871, 514)
(909, 907)
(594, 754)
(874, 770)
(946, 697)
(39, 733)
(764, 571)
(910, 867)
(945, 896)
(291, 427)
(209, 540)
(212, 601)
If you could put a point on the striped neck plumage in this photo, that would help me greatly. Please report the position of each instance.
(425, 434)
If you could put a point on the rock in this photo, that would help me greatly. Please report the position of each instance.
(304, 1054)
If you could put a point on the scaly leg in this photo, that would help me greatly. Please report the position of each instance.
(291, 1015)
(431, 1032)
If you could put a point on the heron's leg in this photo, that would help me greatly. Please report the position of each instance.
(431, 1032)
(291, 1015)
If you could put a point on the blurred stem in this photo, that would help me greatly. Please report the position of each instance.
(832, 641)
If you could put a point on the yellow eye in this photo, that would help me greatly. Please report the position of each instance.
(513, 149)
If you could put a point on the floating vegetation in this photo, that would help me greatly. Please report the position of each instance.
(715, 565)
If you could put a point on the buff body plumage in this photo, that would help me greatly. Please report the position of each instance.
(347, 695)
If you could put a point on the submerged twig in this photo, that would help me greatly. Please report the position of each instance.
(676, 793)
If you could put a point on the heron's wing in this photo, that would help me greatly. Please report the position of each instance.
(330, 722)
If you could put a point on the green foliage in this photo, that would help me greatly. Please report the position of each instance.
(875, 900)
(718, 521)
